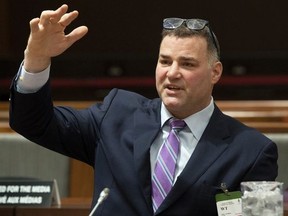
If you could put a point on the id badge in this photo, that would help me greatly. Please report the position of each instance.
(229, 204)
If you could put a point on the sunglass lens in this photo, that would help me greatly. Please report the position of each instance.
(172, 23)
(196, 24)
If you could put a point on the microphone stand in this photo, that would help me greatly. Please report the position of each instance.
(103, 195)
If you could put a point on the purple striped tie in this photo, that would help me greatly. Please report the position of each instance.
(162, 179)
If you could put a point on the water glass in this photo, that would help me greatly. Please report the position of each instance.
(262, 198)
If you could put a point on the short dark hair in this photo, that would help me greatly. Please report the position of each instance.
(183, 32)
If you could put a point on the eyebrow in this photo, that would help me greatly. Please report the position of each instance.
(182, 58)
(164, 56)
(188, 58)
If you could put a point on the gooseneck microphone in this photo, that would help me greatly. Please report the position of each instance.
(103, 195)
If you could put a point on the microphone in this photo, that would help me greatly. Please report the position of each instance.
(103, 195)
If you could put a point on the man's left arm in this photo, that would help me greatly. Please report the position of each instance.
(265, 167)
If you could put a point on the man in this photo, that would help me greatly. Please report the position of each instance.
(122, 137)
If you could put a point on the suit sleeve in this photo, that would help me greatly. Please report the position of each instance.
(265, 166)
(70, 132)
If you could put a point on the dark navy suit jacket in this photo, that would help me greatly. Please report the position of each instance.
(115, 137)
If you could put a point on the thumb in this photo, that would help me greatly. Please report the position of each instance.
(76, 34)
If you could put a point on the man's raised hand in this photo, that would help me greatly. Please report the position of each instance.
(48, 39)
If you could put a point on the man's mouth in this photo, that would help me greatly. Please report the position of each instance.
(172, 87)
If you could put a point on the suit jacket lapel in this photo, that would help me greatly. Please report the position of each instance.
(147, 126)
(211, 145)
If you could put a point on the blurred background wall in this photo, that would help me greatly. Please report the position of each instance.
(124, 37)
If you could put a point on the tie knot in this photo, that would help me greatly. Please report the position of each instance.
(177, 124)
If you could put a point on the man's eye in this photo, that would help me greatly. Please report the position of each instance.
(164, 62)
(188, 64)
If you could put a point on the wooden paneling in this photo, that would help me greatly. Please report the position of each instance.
(81, 179)
(4, 118)
(266, 116)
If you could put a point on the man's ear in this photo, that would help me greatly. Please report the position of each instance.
(217, 69)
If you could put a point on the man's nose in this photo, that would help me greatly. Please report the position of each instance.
(173, 70)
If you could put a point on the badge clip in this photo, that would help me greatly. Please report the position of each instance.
(224, 188)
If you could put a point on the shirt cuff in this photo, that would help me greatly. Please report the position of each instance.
(31, 82)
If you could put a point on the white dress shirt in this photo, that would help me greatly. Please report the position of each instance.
(189, 136)
(31, 82)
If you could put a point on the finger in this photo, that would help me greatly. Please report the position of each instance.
(34, 25)
(49, 16)
(61, 11)
(45, 18)
(76, 34)
(67, 18)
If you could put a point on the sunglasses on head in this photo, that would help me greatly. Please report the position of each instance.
(192, 24)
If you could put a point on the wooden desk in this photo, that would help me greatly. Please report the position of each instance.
(63, 211)
(7, 211)
(69, 206)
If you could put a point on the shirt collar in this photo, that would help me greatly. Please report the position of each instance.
(196, 122)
